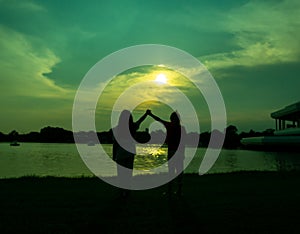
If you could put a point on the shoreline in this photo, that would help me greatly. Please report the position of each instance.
(259, 148)
(44, 177)
(244, 202)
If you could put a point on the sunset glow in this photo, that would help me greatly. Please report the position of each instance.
(251, 48)
(161, 79)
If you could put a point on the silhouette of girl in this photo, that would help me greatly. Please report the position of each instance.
(176, 147)
(124, 147)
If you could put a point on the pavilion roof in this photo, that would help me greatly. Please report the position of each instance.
(290, 112)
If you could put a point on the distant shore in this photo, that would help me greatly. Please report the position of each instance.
(240, 202)
(60, 135)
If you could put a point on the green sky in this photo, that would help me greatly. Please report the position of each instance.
(251, 48)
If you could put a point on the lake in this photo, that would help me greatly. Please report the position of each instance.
(45, 159)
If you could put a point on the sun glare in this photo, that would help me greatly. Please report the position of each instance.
(161, 78)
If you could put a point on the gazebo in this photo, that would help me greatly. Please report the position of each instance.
(287, 134)
(287, 117)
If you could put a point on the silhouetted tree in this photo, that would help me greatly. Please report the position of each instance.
(232, 139)
(55, 134)
(269, 132)
(13, 136)
(204, 139)
(192, 139)
(31, 137)
(3, 137)
(106, 137)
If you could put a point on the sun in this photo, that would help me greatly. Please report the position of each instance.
(161, 78)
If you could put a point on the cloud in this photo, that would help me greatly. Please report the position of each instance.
(264, 33)
(31, 6)
(136, 89)
(24, 68)
(146, 75)
(23, 5)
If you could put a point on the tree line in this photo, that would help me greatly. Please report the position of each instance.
(60, 135)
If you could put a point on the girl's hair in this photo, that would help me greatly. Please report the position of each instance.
(125, 123)
(175, 117)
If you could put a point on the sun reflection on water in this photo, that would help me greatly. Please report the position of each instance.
(150, 157)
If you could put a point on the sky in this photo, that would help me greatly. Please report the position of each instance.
(251, 48)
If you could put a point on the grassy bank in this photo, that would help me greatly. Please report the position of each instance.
(245, 202)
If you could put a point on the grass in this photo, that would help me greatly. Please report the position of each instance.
(243, 202)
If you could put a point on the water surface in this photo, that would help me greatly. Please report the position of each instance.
(45, 159)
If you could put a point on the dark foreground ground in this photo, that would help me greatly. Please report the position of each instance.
(244, 202)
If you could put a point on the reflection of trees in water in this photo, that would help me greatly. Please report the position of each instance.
(287, 161)
(232, 160)
(280, 162)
